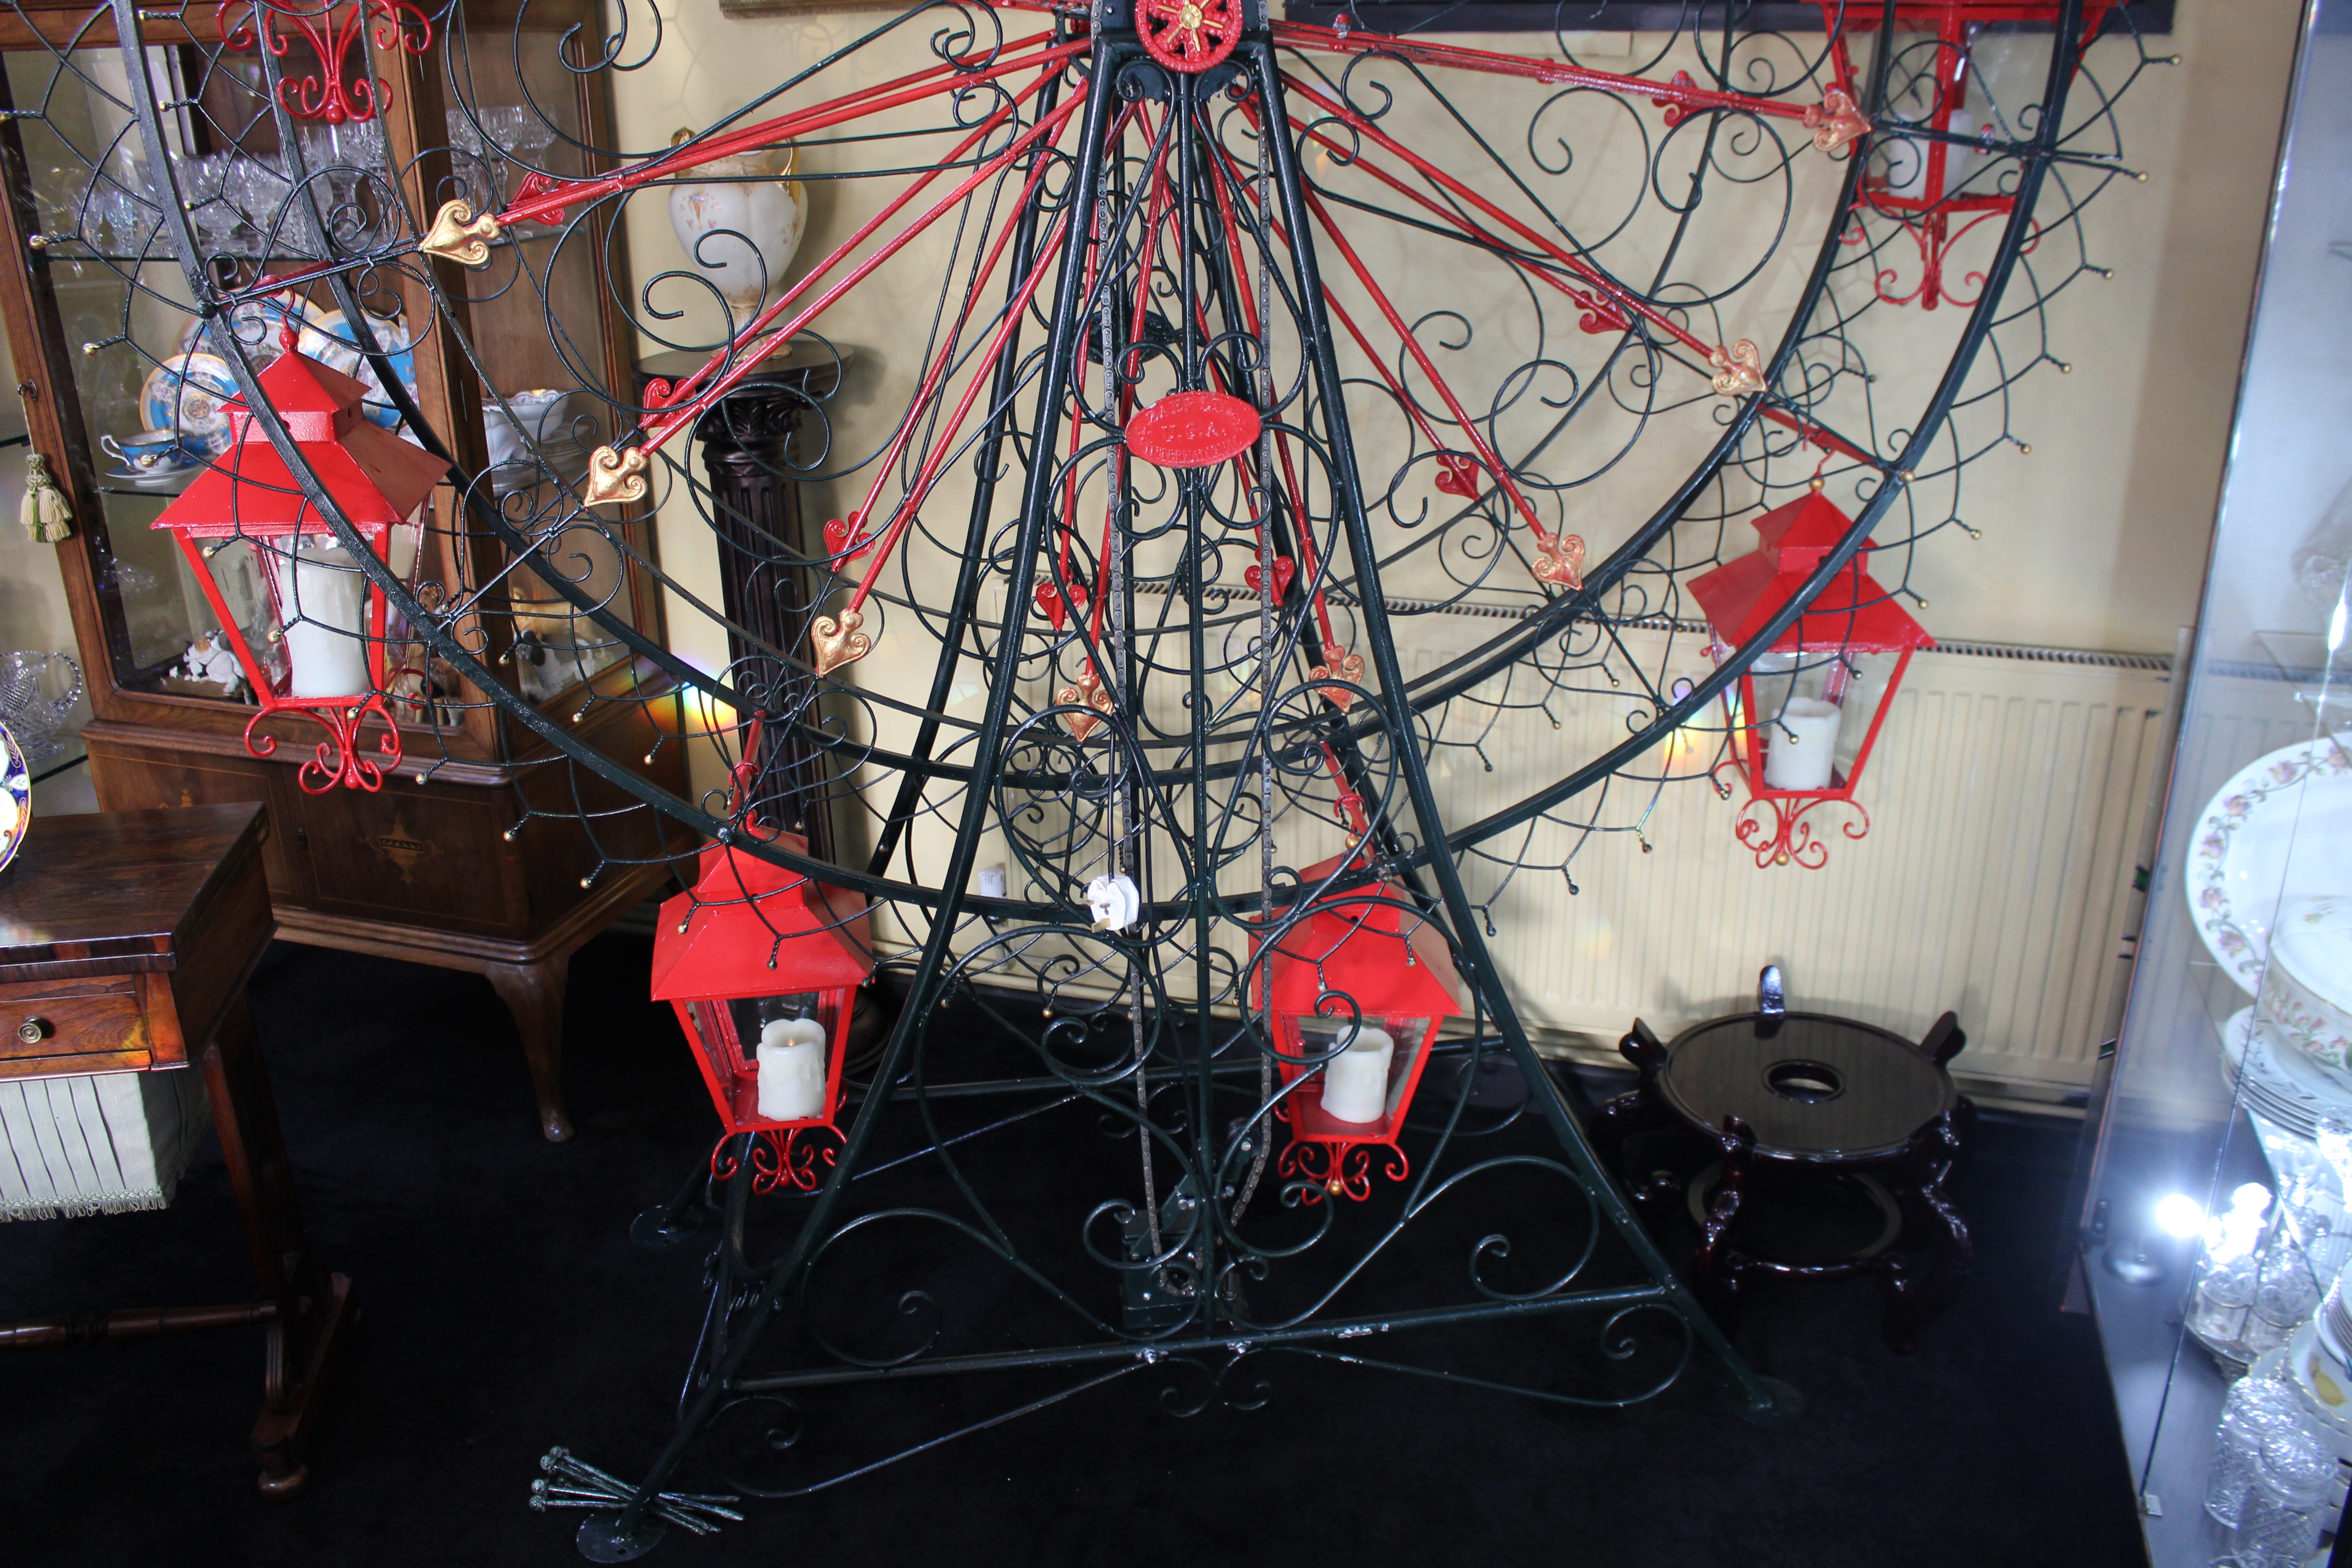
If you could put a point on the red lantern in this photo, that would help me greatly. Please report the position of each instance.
(1804, 715)
(763, 965)
(1365, 984)
(306, 625)
(1938, 194)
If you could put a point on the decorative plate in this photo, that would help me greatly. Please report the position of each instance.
(255, 322)
(155, 479)
(2281, 830)
(336, 342)
(2280, 1083)
(186, 396)
(16, 797)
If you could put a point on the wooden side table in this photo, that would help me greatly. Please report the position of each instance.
(1807, 1091)
(126, 939)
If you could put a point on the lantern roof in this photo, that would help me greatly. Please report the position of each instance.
(1851, 610)
(743, 913)
(1381, 958)
(376, 477)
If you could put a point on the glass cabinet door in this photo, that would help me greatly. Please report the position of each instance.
(2217, 1230)
(149, 381)
(124, 305)
(533, 320)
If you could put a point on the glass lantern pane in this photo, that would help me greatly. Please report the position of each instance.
(750, 1015)
(1867, 675)
(1796, 704)
(1773, 674)
(322, 600)
(1323, 1036)
(239, 572)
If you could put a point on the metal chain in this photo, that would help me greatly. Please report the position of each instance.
(1265, 591)
(1112, 580)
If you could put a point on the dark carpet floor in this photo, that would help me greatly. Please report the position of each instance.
(506, 1310)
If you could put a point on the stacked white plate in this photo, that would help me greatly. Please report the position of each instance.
(2275, 1082)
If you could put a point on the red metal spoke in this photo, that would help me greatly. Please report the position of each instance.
(1616, 291)
(1397, 324)
(1305, 543)
(937, 374)
(549, 203)
(906, 507)
(751, 346)
(1680, 96)
(1821, 435)
(671, 395)
(1602, 314)
(903, 514)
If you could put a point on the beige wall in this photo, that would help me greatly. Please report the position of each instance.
(2097, 539)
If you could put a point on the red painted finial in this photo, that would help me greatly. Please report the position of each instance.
(288, 337)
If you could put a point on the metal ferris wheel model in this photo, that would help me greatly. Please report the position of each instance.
(1202, 397)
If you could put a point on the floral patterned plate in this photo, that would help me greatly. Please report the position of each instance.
(2281, 830)
(16, 797)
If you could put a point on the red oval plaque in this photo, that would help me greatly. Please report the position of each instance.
(1193, 430)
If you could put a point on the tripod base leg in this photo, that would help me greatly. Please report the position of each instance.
(601, 1540)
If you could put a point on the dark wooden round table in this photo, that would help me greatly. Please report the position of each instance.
(1814, 1088)
(1834, 1096)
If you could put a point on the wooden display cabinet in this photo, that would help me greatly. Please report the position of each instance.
(427, 869)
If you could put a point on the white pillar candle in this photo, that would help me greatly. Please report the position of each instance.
(1356, 1083)
(791, 1069)
(1800, 744)
(323, 597)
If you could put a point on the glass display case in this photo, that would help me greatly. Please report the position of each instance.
(297, 144)
(2216, 1233)
(148, 389)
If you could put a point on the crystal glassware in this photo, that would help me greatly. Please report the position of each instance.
(2286, 1293)
(2293, 1473)
(2225, 1295)
(2257, 1406)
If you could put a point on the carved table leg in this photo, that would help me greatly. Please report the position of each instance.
(313, 1308)
(1716, 1272)
(533, 992)
(1912, 1299)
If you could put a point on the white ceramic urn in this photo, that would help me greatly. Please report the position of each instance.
(740, 222)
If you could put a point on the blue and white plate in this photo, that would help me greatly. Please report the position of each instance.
(392, 336)
(186, 396)
(16, 797)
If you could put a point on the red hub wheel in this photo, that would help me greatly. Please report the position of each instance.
(1189, 36)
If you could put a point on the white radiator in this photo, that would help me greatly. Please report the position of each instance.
(2005, 797)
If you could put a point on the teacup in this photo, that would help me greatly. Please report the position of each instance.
(536, 411)
(148, 452)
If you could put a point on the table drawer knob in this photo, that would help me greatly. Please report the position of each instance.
(34, 1030)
